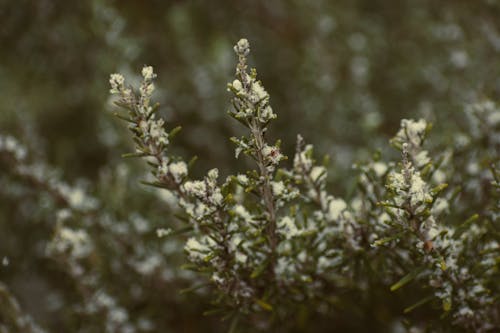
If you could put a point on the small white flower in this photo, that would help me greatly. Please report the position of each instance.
(439, 176)
(77, 242)
(76, 197)
(216, 198)
(422, 158)
(149, 89)
(301, 161)
(195, 249)
(267, 114)
(433, 232)
(178, 170)
(242, 179)
(418, 190)
(163, 168)
(397, 181)
(242, 47)
(440, 206)
(147, 73)
(412, 131)
(237, 85)
(213, 174)
(379, 168)
(288, 228)
(259, 92)
(217, 278)
(196, 188)
(278, 188)
(318, 173)
(242, 212)
(272, 153)
(241, 257)
(493, 118)
(465, 311)
(157, 131)
(162, 232)
(117, 82)
(335, 208)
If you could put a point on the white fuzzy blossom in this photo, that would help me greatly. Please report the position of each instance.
(213, 174)
(335, 208)
(11, 145)
(178, 170)
(241, 257)
(243, 213)
(258, 93)
(380, 168)
(242, 47)
(237, 85)
(318, 173)
(441, 205)
(267, 114)
(412, 132)
(117, 82)
(162, 232)
(272, 154)
(196, 188)
(419, 191)
(76, 242)
(157, 131)
(76, 197)
(413, 189)
(302, 161)
(288, 228)
(198, 249)
(242, 179)
(147, 73)
(278, 188)
(421, 159)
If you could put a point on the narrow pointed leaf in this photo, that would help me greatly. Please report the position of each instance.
(406, 279)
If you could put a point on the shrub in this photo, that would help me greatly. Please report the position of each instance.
(413, 247)
(274, 239)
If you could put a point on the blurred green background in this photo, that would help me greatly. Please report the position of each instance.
(341, 73)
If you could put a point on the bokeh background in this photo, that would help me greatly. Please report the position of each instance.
(342, 73)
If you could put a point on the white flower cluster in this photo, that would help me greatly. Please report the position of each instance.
(242, 47)
(486, 111)
(455, 284)
(148, 73)
(75, 242)
(199, 249)
(76, 197)
(155, 131)
(116, 316)
(302, 161)
(270, 231)
(287, 227)
(162, 232)
(484, 122)
(45, 178)
(283, 192)
(412, 132)
(252, 100)
(272, 154)
(117, 82)
(177, 170)
(241, 212)
(207, 196)
(10, 145)
(409, 187)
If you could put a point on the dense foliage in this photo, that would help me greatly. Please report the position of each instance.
(401, 239)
